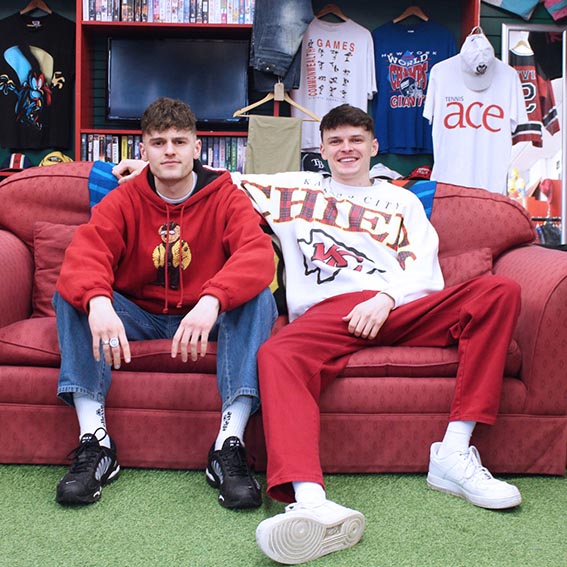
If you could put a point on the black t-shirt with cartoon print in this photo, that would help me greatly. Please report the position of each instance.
(37, 72)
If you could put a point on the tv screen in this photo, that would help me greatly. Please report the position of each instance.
(210, 75)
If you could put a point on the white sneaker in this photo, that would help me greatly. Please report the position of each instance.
(303, 533)
(463, 475)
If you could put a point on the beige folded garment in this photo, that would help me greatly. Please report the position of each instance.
(274, 144)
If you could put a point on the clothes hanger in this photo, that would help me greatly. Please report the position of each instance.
(477, 30)
(36, 5)
(523, 47)
(331, 9)
(412, 11)
(278, 95)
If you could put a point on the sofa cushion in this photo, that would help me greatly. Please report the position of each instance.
(58, 194)
(34, 343)
(50, 241)
(461, 267)
(417, 362)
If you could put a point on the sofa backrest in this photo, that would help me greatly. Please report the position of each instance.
(465, 219)
(57, 194)
(471, 219)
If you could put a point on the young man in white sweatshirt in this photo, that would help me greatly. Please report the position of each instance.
(362, 269)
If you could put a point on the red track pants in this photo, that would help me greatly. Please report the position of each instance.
(299, 362)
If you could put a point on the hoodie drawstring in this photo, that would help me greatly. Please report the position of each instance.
(165, 307)
(180, 266)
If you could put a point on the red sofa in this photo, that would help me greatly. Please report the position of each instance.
(381, 415)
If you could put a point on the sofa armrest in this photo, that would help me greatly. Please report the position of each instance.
(16, 279)
(542, 327)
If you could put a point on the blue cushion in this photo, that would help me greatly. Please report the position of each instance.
(101, 181)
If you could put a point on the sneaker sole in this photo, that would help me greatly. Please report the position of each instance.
(448, 487)
(301, 538)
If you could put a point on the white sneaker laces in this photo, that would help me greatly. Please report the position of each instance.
(473, 467)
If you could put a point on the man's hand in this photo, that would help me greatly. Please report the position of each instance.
(367, 318)
(107, 328)
(194, 329)
(127, 169)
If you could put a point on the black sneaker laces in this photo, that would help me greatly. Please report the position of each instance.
(234, 461)
(86, 454)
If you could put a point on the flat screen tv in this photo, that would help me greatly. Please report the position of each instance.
(210, 75)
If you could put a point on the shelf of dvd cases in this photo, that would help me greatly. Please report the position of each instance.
(223, 150)
(170, 11)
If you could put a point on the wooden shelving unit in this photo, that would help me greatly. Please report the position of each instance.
(92, 36)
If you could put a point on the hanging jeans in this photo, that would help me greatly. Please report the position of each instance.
(301, 360)
(277, 32)
(239, 334)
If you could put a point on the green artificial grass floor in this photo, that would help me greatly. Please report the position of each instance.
(151, 518)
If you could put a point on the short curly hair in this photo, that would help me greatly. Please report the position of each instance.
(165, 113)
(346, 115)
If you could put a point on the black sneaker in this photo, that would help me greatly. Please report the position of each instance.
(94, 466)
(229, 472)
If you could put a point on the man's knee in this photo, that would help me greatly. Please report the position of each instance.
(509, 289)
(61, 306)
(262, 304)
(56, 300)
(267, 302)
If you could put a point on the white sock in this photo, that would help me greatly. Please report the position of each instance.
(91, 417)
(457, 437)
(234, 420)
(309, 493)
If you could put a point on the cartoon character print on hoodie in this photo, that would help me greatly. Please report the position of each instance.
(171, 253)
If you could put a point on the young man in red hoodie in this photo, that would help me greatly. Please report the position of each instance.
(175, 253)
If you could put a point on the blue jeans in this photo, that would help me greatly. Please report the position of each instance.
(239, 333)
(277, 32)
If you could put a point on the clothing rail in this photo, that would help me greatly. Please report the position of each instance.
(546, 219)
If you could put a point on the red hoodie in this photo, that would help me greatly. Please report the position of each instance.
(165, 257)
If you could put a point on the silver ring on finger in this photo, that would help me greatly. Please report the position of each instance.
(105, 342)
(114, 342)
